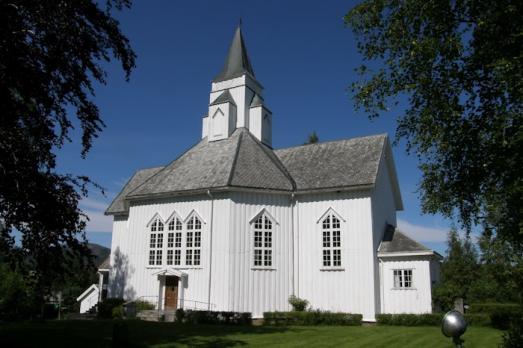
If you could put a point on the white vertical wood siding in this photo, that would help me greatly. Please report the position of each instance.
(132, 277)
(383, 213)
(255, 290)
(415, 300)
(349, 290)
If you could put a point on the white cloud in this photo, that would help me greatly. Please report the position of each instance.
(423, 233)
(94, 209)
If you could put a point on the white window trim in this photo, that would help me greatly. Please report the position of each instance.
(402, 275)
(319, 222)
(172, 217)
(156, 217)
(184, 264)
(274, 223)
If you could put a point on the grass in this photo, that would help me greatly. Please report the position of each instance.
(78, 334)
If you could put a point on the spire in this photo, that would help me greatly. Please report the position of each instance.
(237, 62)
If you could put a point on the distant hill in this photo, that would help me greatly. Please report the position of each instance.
(100, 253)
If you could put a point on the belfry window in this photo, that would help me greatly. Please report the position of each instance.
(262, 242)
(156, 243)
(331, 241)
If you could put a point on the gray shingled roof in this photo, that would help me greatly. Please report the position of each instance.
(240, 160)
(118, 204)
(352, 162)
(395, 241)
(237, 62)
(256, 101)
(225, 97)
(244, 162)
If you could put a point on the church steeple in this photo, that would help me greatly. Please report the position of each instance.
(236, 99)
(237, 62)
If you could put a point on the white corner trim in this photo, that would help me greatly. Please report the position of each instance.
(266, 212)
(330, 211)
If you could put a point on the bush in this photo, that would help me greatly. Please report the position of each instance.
(298, 304)
(431, 319)
(428, 319)
(180, 314)
(117, 312)
(501, 314)
(144, 305)
(513, 338)
(105, 308)
(208, 317)
(311, 318)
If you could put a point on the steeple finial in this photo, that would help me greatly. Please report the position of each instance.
(237, 62)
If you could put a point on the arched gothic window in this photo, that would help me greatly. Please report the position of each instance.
(156, 242)
(262, 242)
(193, 242)
(174, 242)
(331, 241)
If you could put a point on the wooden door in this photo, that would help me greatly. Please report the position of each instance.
(171, 292)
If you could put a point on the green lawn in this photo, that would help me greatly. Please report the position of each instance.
(78, 334)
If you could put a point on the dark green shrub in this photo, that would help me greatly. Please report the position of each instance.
(144, 305)
(311, 318)
(117, 312)
(427, 319)
(477, 319)
(208, 317)
(513, 338)
(298, 304)
(488, 308)
(120, 335)
(105, 308)
(180, 314)
(50, 311)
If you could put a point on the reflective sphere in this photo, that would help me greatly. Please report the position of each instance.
(453, 324)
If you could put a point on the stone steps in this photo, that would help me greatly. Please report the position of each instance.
(155, 315)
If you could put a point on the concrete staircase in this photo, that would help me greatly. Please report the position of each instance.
(156, 315)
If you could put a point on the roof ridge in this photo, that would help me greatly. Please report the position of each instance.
(277, 162)
(333, 141)
(411, 239)
(236, 152)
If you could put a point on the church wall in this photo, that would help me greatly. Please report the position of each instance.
(383, 213)
(415, 300)
(350, 289)
(132, 277)
(257, 290)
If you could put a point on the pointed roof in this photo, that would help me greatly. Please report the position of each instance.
(256, 101)
(225, 97)
(237, 62)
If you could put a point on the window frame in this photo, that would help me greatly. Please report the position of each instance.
(266, 247)
(156, 242)
(331, 241)
(405, 275)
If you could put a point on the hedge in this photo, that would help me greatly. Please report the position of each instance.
(209, 317)
(311, 318)
(429, 319)
(500, 314)
(105, 308)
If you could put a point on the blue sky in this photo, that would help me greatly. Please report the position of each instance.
(301, 53)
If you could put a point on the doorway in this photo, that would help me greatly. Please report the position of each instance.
(171, 292)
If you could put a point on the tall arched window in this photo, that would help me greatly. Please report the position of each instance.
(174, 242)
(331, 238)
(156, 242)
(262, 242)
(193, 242)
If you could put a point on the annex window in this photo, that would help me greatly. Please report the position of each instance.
(402, 278)
(174, 242)
(156, 242)
(193, 242)
(262, 242)
(331, 241)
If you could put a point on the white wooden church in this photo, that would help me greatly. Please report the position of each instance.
(235, 225)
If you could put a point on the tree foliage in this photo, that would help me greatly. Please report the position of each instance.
(460, 66)
(51, 53)
(312, 138)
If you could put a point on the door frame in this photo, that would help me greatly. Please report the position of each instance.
(178, 284)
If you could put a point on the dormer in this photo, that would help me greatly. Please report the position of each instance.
(221, 121)
(260, 120)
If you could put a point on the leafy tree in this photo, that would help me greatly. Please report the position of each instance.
(51, 53)
(460, 66)
(458, 271)
(312, 138)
